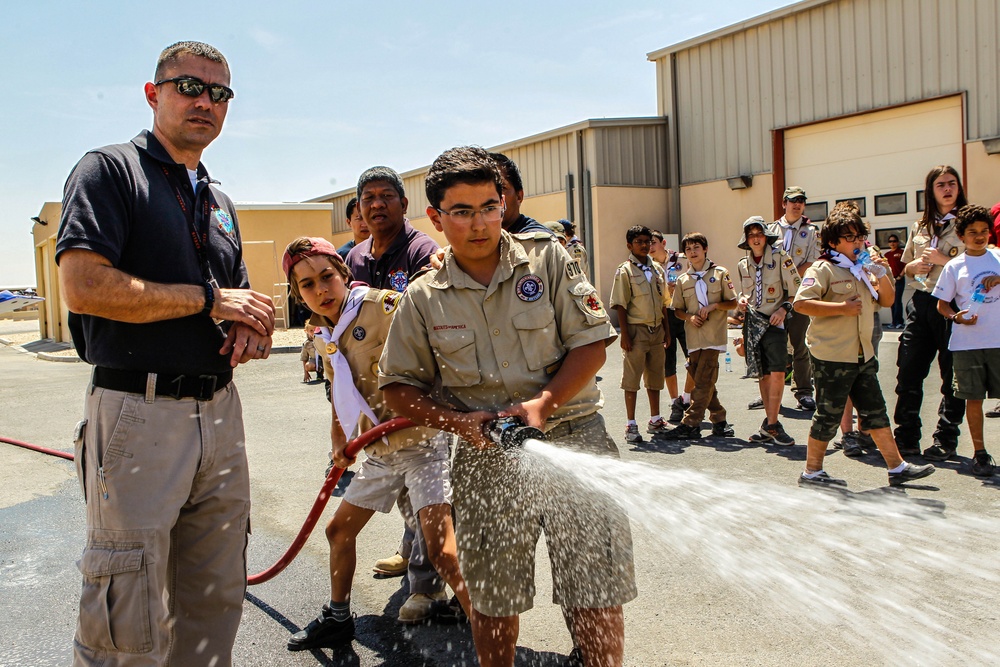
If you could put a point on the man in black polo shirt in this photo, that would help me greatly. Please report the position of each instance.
(514, 221)
(152, 270)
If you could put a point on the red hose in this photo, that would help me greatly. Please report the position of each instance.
(353, 448)
(43, 450)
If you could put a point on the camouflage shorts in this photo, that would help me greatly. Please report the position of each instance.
(837, 381)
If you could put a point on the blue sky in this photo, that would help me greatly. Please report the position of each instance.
(323, 90)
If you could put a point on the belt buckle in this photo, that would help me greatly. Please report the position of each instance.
(206, 387)
(176, 388)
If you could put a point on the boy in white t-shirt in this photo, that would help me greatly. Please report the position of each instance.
(975, 345)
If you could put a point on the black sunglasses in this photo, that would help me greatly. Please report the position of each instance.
(192, 87)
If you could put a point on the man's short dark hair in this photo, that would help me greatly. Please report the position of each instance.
(969, 214)
(170, 55)
(470, 165)
(635, 231)
(351, 205)
(381, 174)
(509, 170)
(845, 218)
(694, 237)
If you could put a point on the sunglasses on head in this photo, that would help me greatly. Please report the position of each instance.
(192, 87)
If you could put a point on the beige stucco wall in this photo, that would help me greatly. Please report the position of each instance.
(982, 178)
(615, 210)
(718, 213)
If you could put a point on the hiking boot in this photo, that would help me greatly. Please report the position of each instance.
(632, 434)
(910, 473)
(939, 452)
(658, 426)
(393, 566)
(778, 435)
(762, 437)
(756, 404)
(677, 409)
(323, 632)
(420, 607)
(723, 430)
(821, 480)
(806, 403)
(683, 432)
(982, 464)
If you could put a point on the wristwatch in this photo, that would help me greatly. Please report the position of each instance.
(787, 306)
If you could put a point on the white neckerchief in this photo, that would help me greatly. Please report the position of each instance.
(844, 262)
(347, 400)
(758, 285)
(944, 224)
(789, 229)
(647, 269)
(700, 288)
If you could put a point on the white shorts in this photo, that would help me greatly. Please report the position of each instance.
(422, 469)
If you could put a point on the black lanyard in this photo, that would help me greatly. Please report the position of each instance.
(198, 228)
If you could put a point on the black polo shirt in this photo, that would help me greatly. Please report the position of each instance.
(409, 252)
(123, 202)
(524, 224)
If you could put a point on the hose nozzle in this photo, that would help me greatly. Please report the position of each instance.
(509, 433)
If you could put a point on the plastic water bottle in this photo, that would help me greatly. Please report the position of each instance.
(978, 299)
(864, 258)
(672, 274)
(729, 362)
(920, 278)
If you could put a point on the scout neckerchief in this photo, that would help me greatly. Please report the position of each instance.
(700, 288)
(758, 280)
(789, 229)
(938, 233)
(845, 262)
(647, 269)
(347, 400)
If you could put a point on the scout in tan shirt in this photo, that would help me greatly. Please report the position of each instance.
(354, 323)
(638, 297)
(841, 297)
(768, 281)
(701, 298)
(933, 242)
(509, 325)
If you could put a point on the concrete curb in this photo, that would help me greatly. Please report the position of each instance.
(45, 356)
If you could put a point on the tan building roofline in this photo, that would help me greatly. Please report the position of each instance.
(779, 13)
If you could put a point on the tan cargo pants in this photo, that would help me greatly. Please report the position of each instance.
(168, 504)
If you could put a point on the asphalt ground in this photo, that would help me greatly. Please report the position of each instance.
(687, 613)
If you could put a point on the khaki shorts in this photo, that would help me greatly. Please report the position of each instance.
(422, 469)
(977, 374)
(646, 360)
(503, 506)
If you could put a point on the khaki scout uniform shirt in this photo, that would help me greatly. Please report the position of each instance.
(779, 280)
(712, 334)
(578, 252)
(361, 343)
(842, 338)
(805, 240)
(642, 299)
(948, 243)
(498, 345)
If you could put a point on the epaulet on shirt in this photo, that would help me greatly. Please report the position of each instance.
(534, 236)
(421, 272)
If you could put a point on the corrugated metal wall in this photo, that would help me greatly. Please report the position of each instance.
(835, 59)
(631, 155)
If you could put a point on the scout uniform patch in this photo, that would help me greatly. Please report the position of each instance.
(808, 282)
(398, 280)
(225, 222)
(358, 333)
(573, 268)
(530, 288)
(389, 302)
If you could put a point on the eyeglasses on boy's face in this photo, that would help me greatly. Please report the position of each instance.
(490, 213)
(192, 87)
(851, 238)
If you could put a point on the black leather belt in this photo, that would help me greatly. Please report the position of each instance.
(201, 387)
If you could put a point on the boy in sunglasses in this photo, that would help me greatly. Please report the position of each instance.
(508, 326)
(841, 297)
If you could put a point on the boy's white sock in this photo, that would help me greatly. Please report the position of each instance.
(631, 422)
(901, 467)
(687, 397)
(655, 418)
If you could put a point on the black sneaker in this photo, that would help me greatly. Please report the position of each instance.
(778, 435)
(677, 409)
(723, 430)
(982, 464)
(821, 481)
(938, 452)
(851, 444)
(994, 413)
(806, 403)
(756, 404)
(909, 473)
(762, 437)
(323, 632)
(683, 432)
